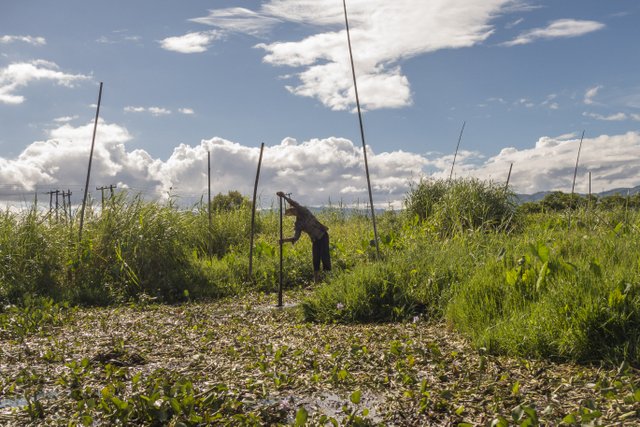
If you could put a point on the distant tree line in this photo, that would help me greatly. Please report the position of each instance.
(559, 201)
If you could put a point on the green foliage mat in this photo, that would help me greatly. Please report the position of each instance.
(244, 362)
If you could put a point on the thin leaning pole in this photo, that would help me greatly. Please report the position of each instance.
(364, 145)
(210, 240)
(253, 213)
(457, 147)
(575, 173)
(281, 257)
(575, 170)
(86, 185)
(506, 186)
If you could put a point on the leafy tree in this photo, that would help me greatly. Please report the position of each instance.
(231, 201)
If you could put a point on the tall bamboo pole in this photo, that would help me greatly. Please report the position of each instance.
(456, 153)
(253, 212)
(281, 257)
(86, 185)
(575, 173)
(210, 243)
(364, 145)
(506, 186)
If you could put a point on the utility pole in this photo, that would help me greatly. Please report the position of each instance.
(106, 187)
(69, 203)
(101, 189)
(50, 193)
(57, 193)
(64, 203)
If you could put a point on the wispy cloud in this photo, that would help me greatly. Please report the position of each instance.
(64, 119)
(36, 41)
(21, 74)
(514, 23)
(561, 28)
(616, 117)
(590, 94)
(238, 19)
(155, 111)
(196, 42)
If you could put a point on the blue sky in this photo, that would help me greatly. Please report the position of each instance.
(184, 77)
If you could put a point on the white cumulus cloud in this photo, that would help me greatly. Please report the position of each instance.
(21, 74)
(384, 33)
(196, 42)
(315, 171)
(549, 165)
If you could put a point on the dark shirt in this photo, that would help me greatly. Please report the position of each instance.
(305, 221)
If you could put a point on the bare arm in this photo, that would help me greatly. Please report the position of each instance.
(295, 237)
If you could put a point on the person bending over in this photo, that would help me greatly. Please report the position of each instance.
(319, 234)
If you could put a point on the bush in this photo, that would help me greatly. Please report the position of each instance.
(464, 204)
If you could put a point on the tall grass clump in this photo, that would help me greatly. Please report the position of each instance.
(556, 293)
(135, 247)
(368, 293)
(461, 205)
(31, 255)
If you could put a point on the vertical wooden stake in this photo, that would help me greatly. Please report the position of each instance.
(210, 240)
(253, 213)
(281, 257)
(86, 186)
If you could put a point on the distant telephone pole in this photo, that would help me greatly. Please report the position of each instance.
(106, 187)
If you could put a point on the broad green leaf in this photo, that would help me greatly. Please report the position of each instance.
(542, 277)
(355, 397)
(301, 416)
(543, 252)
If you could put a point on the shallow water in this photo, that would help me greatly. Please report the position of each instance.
(19, 401)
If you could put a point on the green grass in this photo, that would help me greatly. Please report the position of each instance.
(560, 285)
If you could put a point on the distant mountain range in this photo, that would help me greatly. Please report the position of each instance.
(536, 197)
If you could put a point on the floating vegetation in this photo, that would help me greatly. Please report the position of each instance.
(234, 362)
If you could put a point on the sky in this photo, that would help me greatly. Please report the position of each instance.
(183, 78)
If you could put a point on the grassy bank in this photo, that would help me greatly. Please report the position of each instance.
(553, 284)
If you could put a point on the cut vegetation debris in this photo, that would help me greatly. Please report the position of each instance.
(235, 362)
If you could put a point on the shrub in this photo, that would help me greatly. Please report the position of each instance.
(464, 204)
